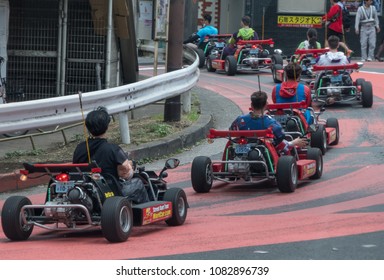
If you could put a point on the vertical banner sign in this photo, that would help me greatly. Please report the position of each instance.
(161, 19)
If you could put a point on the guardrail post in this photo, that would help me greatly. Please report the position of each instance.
(124, 128)
(186, 102)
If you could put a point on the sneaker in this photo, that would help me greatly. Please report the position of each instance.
(379, 59)
(369, 59)
(362, 60)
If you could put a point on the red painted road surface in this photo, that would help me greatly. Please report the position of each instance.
(341, 203)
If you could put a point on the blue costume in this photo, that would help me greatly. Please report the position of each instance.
(298, 97)
(251, 122)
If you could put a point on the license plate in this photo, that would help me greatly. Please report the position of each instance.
(64, 187)
(336, 79)
(253, 51)
(220, 45)
(242, 149)
(281, 118)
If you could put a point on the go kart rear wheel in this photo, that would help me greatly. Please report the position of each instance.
(209, 63)
(13, 226)
(179, 206)
(316, 155)
(201, 174)
(116, 219)
(201, 55)
(334, 123)
(366, 94)
(230, 65)
(319, 139)
(287, 174)
(359, 81)
(277, 59)
(274, 69)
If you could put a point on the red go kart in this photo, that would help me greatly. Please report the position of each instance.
(294, 119)
(250, 157)
(249, 56)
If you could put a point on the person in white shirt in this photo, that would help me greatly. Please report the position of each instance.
(367, 25)
(333, 56)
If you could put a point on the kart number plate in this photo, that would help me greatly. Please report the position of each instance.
(242, 149)
(64, 187)
(220, 44)
(281, 118)
(253, 51)
(336, 79)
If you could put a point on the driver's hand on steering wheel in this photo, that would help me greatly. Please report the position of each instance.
(300, 142)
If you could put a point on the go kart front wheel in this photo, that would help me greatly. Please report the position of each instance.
(201, 174)
(319, 139)
(116, 219)
(287, 174)
(366, 94)
(316, 155)
(230, 65)
(179, 206)
(334, 123)
(13, 226)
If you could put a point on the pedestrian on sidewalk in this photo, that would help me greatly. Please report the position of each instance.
(367, 25)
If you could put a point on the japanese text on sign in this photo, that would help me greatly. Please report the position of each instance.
(299, 21)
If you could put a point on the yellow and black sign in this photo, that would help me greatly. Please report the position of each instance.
(299, 21)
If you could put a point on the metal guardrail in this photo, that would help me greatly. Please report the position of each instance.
(65, 110)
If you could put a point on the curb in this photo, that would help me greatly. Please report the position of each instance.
(166, 146)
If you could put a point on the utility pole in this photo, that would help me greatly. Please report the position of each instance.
(172, 108)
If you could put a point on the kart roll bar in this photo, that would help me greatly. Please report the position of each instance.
(218, 36)
(256, 42)
(311, 51)
(213, 133)
(58, 167)
(336, 67)
(292, 105)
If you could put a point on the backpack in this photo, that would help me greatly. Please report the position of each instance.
(346, 18)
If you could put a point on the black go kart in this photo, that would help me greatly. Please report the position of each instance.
(79, 198)
(334, 85)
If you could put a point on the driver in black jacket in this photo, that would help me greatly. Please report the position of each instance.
(110, 157)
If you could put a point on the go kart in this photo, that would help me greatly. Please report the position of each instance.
(250, 157)
(212, 44)
(306, 59)
(78, 198)
(249, 56)
(299, 121)
(334, 84)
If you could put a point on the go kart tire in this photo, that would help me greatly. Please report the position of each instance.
(179, 206)
(287, 174)
(334, 123)
(11, 221)
(274, 69)
(366, 94)
(201, 174)
(359, 81)
(209, 63)
(319, 139)
(277, 59)
(116, 219)
(201, 55)
(316, 155)
(230, 65)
